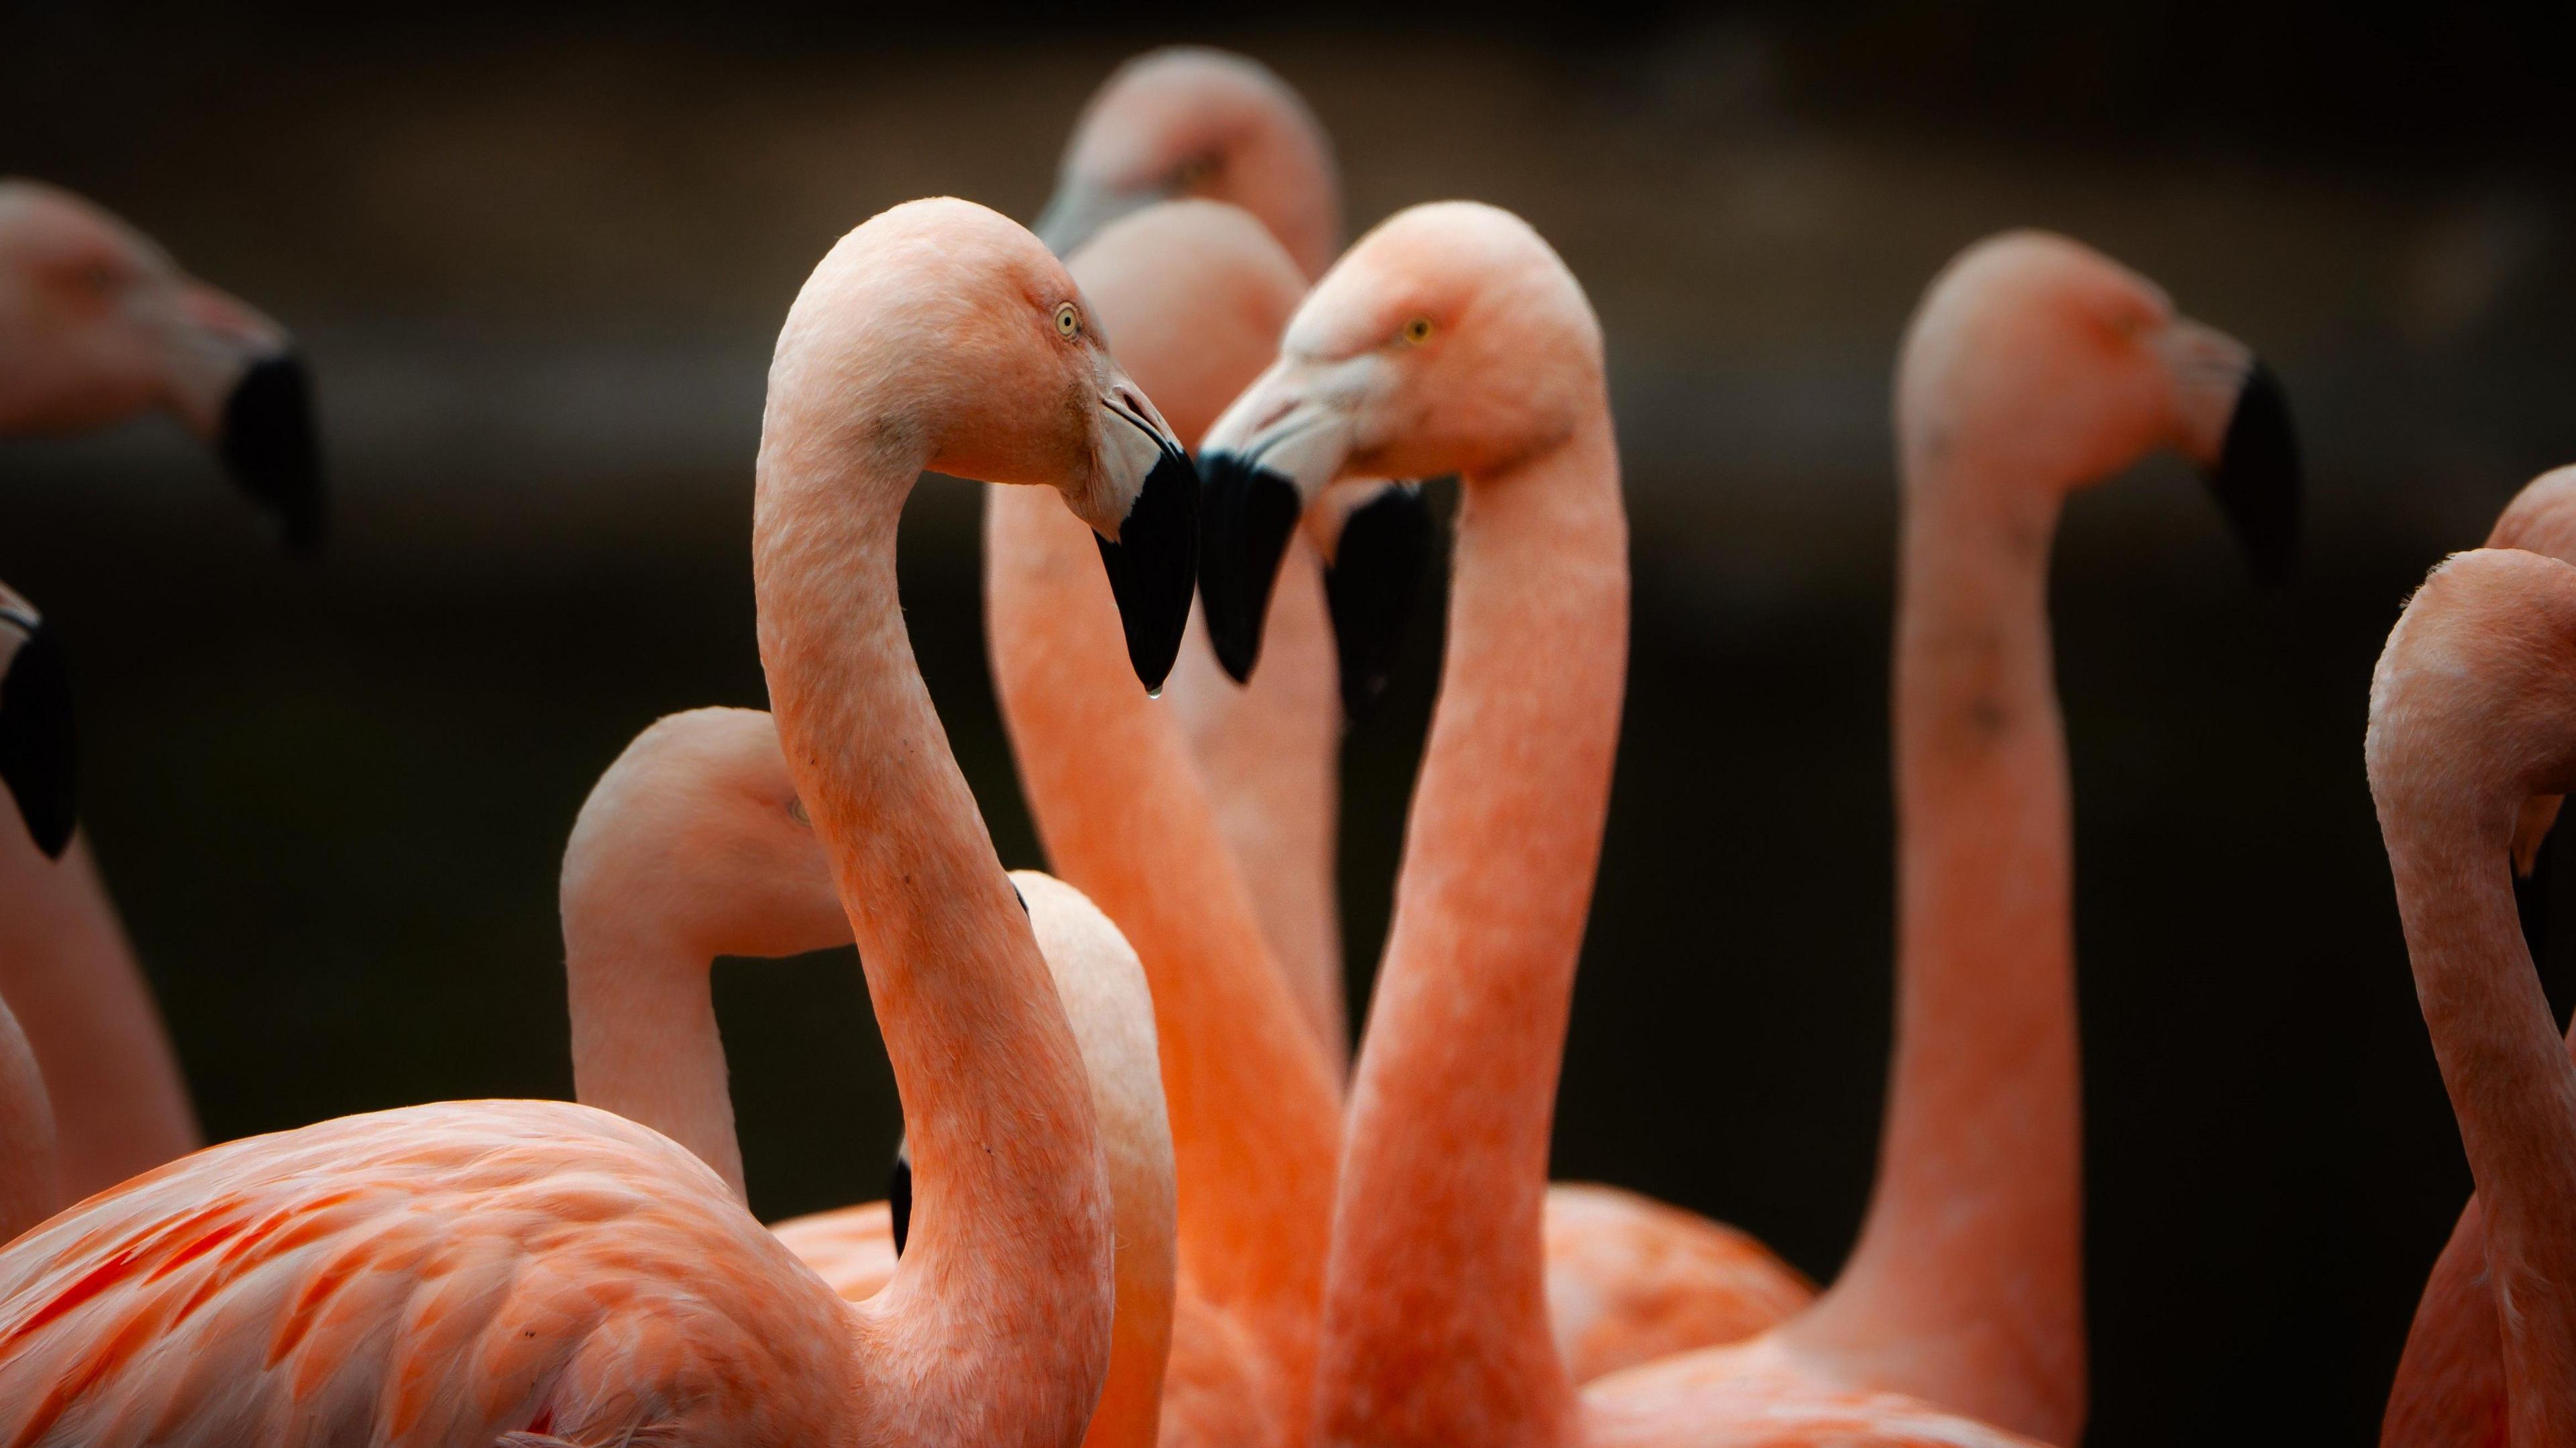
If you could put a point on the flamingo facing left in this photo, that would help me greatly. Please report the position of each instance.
(2469, 721)
(455, 1273)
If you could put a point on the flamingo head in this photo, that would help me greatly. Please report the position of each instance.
(98, 324)
(2045, 365)
(696, 833)
(1186, 121)
(1451, 339)
(36, 754)
(982, 359)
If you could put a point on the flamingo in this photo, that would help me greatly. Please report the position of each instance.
(694, 845)
(2468, 723)
(98, 324)
(1453, 339)
(36, 767)
(454, 1273)
(1183, 123)
(2450, 1387)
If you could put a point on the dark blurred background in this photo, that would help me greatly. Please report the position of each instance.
(538, 263)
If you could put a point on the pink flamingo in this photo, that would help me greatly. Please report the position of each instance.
(1453, 339)
(1181, 123)
(694, 845)
(2468, 724)
(35, 765)
(2450, 1388)
(454, 1273)
(1629, 1279)
(97, 324)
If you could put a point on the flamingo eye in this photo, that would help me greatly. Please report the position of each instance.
(1417, 331)
(1193, 173)
(1068, 322)
(796, 812)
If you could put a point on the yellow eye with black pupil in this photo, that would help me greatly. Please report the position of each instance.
(1418, 331)
(1068, 322)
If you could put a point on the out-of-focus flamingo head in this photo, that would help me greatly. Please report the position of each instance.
(2540, 519)
(2471, 703)
(98, 324)
(2037, 362)
(36, 740)
(1451, 339)
(696, 834)
(1192, 122)
(982, 359)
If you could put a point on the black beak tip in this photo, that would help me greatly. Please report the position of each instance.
(270, 447)
(1153, 565)
(36, 740)
(899, 1195)
(1245, 524)
(1372, 587)
(2258, 479)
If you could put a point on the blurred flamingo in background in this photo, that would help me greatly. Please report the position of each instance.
(35, 767)
(1452, 339)
(2469, 712)
(454, 1273)
(97, 324)
(693, 845)
(2450, 1388)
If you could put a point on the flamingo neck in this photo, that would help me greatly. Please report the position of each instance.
(1255, 1118)
(2513, 1089)
(1966, 1285)
(997, 1327)
(1435, 1319)
(30, 1177)
(645, 1043)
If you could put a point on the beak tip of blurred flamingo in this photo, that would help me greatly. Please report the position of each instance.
(269, 446)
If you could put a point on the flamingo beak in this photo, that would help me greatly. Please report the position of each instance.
(2256, 479)
(899, 1195)
(1153, 562)
(36, 753)
(1080, 207)
(1372, 585)
(1262, 461)
(268, 444)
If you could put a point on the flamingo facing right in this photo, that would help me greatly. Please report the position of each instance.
(2469, 721)
(1453, 339)
(456, 1273)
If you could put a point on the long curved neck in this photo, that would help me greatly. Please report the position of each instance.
(645, 1043)
(120, 1104)
(1966, 1287)
(1435, 1320)
(1270, 753)
(2513, 1089)
(996, 1328)
(31, 1186)
(1254, 1114)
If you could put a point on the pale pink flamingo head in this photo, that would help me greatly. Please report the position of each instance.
(696, 834)
(98, 324)
(1451, 339)
(2035, 362)
(981, 358)
(2473, 703)
(36, 753)
(1191, 122)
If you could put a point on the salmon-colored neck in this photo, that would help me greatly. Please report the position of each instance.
(645, 1043)
(1969, 1267)
(1254, 1117)
(1435, 1328)
(2513, 1089)
(1000, 1314)
(30, 1177)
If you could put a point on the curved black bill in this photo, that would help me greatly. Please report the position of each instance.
(1077, 212)
(2257, 478)
(36, 750)
(899, 1195)
(1373, 583)
(2531, 899)
(270, 448)
(1245, 521)
(1154, 563)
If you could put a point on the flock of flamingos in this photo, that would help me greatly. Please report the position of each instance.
(1147, 1192)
